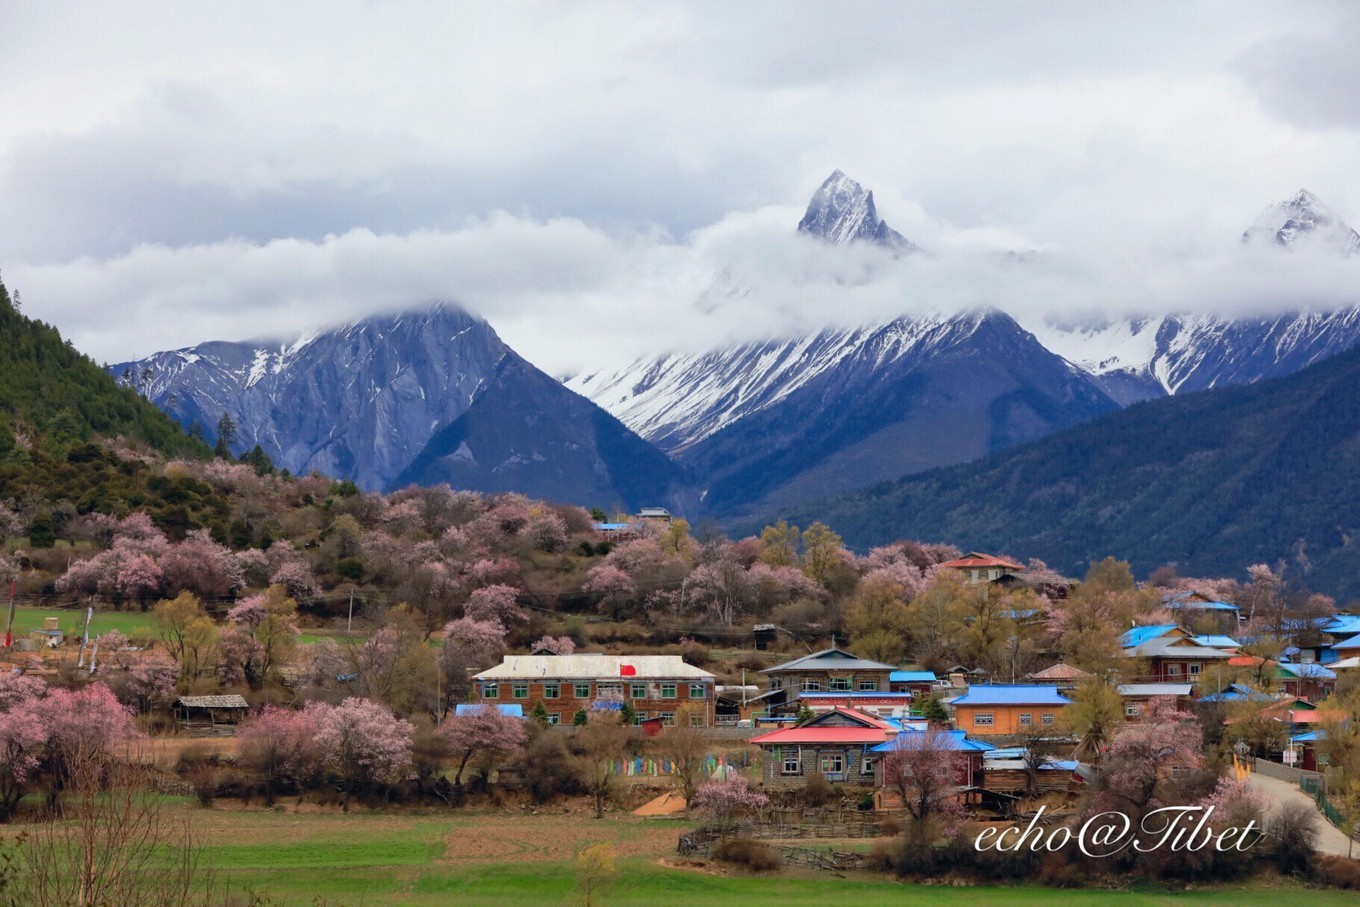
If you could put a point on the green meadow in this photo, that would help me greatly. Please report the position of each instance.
(131, 623)
(486, 857)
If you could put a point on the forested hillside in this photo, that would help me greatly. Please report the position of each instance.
(53, 398)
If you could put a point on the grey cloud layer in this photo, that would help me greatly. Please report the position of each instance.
(171, 175)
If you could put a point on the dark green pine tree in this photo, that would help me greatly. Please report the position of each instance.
(226, 436)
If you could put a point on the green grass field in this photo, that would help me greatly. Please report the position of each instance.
(485, 857)
(131, 623)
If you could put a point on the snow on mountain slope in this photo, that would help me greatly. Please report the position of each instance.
(842, 211)
(1139, 357)
(1301, 222)
(358, 401)
(677, 400)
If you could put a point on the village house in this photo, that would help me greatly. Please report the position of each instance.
(836, 744)
(995, 710)
(828, 671)
(920, 684)
(968, 770)
(984, 568)
(1062, 675)
(1137, 696)
(657, 686)
(1170, 654)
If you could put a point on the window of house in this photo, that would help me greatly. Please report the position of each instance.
(554, 718)
(1173, 670)
(868, 686)
(833, 763)
(668, 719)
(1132, 710)
(550, 690)
(1194, 670)
(581, 690)
(696, 720)
(812, 686)
(697, 691)
(491, 691)
(1048, 718)
(638, 690)
(791, 762)
(520, 691)
(668, 691)
(840, 684)
(984, 719)
(1026, 719)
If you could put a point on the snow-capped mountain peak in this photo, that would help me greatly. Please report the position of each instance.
(842, 211)
(1300, 222)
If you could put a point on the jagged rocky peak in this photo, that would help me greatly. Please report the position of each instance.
(1303, 221)
(842, 211)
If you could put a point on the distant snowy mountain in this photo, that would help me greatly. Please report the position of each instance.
(842, 211)
(1301, 222)
(894, 400)
(358, 401)
(764, 424)
(1140, 357)
(365, 401)
(676, 401)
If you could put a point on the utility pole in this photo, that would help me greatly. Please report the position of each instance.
(349, 621)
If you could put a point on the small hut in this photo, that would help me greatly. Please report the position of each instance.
(211, 715)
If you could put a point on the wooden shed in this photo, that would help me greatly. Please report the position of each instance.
(211, 715)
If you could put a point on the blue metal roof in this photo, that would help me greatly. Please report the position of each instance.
(514, 711)
(609, 527)
(1343, 625)
(847, 694)
(1183, 600)
(956, 741)
(1236, 692)
(1020, 613)
(912, 677)
(1308, 671)
(1218, 642)
(1352, 643)
(1012, 694)
(1139, 635)
(1309, 737)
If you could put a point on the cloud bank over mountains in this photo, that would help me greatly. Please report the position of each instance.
(597, 180)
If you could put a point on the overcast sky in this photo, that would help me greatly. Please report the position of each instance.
(600, 179)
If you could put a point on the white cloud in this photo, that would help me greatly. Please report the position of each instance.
(598, 178)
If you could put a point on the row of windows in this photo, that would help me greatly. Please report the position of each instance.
(791, 763)
(833, 684)
(667, 718)
(520, 690)
(988, 719)
(1174, 669)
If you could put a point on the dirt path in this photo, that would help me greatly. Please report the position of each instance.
(1330, 838)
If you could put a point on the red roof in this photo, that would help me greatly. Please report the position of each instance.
(816, 735)
(974, 559)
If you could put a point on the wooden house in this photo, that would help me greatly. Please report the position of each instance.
(993, 710)
(829, 671)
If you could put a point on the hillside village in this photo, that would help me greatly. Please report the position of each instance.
(465, 644)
